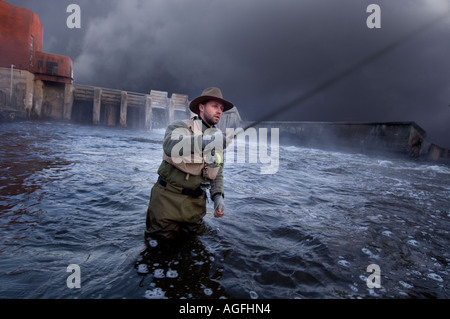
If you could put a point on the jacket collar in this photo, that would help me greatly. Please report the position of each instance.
(205, 125)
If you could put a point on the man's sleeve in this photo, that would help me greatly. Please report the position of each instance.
(217, 184)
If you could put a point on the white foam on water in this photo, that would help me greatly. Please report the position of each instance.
(405, 285)
(344, 263)
(413, 242)
(438, 169)
(386, 163)
(172, 273)
(156, 293)
(386, 233)
(435, 277)
(368, 253)
(142, 269)
(291, 148)
(207, 291)
(253, 295)
(376, 218)
(373, 293)
(159, 273)
(153, 243)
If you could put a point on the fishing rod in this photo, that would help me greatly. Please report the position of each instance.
(350, 70)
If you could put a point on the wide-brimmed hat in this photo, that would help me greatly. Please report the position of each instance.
(210, 94)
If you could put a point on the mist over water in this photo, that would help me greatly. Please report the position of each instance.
(72, 194)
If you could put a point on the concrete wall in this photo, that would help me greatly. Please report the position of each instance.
(21, 101)
(405, 139)
(31, 98)
(52, 100)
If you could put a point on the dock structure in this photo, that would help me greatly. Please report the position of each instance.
(29, 96)
(25, 95)
(123, 108)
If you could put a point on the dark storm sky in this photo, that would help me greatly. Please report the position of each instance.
(265, 53)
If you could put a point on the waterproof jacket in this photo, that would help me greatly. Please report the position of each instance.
(175, 176)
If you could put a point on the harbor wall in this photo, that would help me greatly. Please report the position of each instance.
(46, 100)
(37, 99)
(404, 139)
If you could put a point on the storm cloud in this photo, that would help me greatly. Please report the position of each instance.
(265, 53)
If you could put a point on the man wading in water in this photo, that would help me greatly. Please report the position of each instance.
(192, 164)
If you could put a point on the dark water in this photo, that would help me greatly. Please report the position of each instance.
(73, 194)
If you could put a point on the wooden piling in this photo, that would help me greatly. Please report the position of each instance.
(123, 108)
(128, 109)
(97, 106)
(148, 112)
(68, 101)
(171, 111)
(38, 99)
(111, 116)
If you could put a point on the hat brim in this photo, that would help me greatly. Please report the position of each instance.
(194, 105)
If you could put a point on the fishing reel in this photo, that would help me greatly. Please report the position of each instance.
(212, 158)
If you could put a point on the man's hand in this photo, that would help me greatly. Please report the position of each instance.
(219, 205)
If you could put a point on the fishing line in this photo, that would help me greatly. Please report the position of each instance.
(352, 69)
(340, 76)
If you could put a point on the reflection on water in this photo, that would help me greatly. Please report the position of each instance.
(72, 194)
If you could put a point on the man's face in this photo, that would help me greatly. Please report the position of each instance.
(211, 111)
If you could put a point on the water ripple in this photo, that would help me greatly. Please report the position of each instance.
(73, 194)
